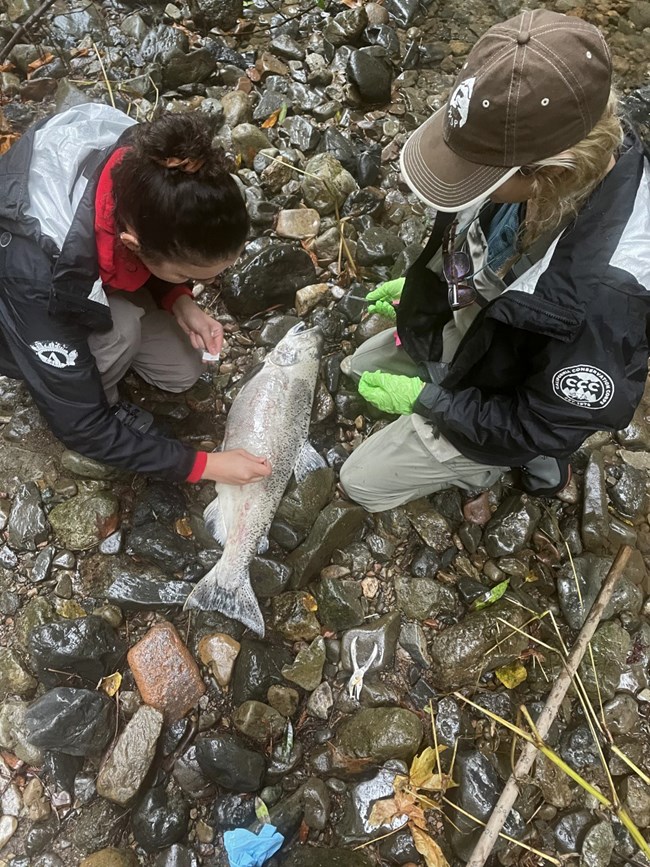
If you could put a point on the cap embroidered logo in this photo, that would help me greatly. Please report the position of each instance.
(583, 385)
(458, 107)
(55, 354)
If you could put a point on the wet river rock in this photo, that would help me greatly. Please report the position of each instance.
(86, 648)
(228, 762)
(74, 721)
(381, 733)
(512, 525)
(462, 653)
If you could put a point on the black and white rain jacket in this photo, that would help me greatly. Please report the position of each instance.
(563, 351)
(51, 296)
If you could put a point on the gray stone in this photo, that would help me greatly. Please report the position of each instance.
(355, 825)
(293, 615)
(637, 800)
(14, 679)
(298, 223)
(284, 699)
(478, 644)
(598, 846)
(160, 819)
(85, 520)
(226, 761)
(181, 68)
(378, 246)
(237, 108)
(478, 790)
(432, 527)
(36, 612)
(340, 603)
(247, 141)
(326, 184)
(381, 733)
(87, 468)
(302, 504)
(124, 770)
(321, 701)
(77, 722)
(595, 516)
(512, 525)
(100, 824)
(629, 495)
(570, 831)
(258, 666)
(14, 735)
(72, 26)
(317, 804)
(610, 647)
(27, 526)
(346, 27)
(42, 564)
(556, 787)
(371, 71)
(259, 722)
(419, 597)
(414, 642)
(382, 634)
(268, 577)
(307, 668)
(335, 527)
(578, 591)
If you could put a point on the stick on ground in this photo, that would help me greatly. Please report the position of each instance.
(33, 18)
(509, 794)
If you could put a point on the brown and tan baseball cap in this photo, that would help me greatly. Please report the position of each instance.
(531, 88)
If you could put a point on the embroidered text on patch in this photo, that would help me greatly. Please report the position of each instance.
(55, 354)
(583, 385)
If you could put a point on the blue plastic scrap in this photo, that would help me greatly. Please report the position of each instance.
(246, 849)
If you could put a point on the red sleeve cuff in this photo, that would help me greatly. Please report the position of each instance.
(199, 466)
(169, 298)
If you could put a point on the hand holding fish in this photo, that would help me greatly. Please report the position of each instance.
(205, 333)
(236, 467)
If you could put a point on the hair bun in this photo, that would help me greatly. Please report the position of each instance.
(183, 143)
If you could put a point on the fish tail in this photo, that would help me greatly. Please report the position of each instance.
(233, 598)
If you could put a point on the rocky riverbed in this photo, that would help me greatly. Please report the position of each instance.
(131, 733)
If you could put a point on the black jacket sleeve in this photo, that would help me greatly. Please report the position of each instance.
(553, 411)
(60, 372)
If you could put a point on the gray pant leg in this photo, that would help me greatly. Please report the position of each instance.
(147, 339)
(395, 465)
(381, 353)
(115, 350)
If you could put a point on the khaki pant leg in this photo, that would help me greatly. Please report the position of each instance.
(381, 353)
(395, 466)
(166, 358)
(115, 350)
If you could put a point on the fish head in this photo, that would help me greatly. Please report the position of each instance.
(299, 344)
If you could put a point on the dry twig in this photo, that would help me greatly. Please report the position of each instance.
(556, 696)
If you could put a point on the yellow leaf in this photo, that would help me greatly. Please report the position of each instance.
(428, 848)
(271, 120)
(400, 783)
(422, 766)
(512, 675)
(183, 527)
(383, 812)
(437, 783)
(111, 684)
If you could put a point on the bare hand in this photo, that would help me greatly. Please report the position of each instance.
(236, 467)
(205, 333)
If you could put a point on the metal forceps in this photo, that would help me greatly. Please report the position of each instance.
(355, 684)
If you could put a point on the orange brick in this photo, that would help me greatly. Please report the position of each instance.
(165, 672)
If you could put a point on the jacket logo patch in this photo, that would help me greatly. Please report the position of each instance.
(458, 107)
(583, 385)
(55, 354)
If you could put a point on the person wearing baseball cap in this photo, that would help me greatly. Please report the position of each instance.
(523, 326)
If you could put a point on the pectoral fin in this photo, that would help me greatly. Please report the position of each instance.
(214, 521)
(308, 461)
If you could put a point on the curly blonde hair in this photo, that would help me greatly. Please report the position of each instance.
(562, 183)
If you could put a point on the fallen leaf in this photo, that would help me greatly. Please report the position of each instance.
(309, 602)
(283, 113)
(512, 675)
(428, 848)
(491, 596)
(183, 527)
(7, 66)
(383, 813)
(438, 783)
(422, 766)
(111, 684)
(271, 120)
(6, 142)
(40, 61)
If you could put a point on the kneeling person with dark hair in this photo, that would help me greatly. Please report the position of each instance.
(103, 223)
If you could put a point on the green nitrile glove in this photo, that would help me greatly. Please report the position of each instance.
(390, 392)
(384, 298)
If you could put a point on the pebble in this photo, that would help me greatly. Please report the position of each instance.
(307, 668)
(219, 651)
(335, 527)
(28, 526)
(298, 223)
(226, 761)
(160, 819)
(381, 733)
(321, 701)
(159, 652)
(595, 516)
(294, 616)
(111, 857)
(8, 827)
(84, 520)
(284, 699)
(259, 722)
(14, 678)
(78, 722)
(511, 527)
(124, 770)
(381, 633)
